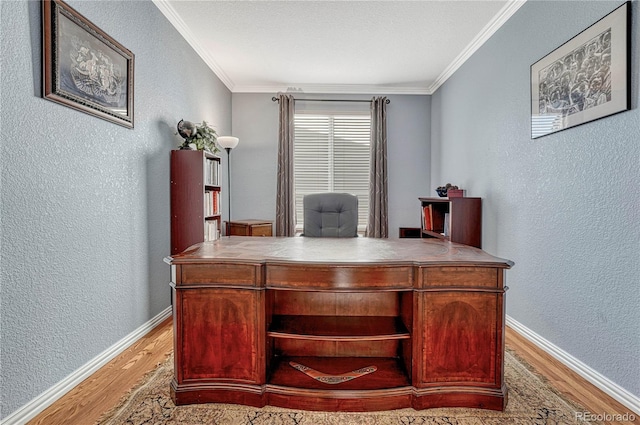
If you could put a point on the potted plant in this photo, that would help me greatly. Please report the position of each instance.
(198, 136)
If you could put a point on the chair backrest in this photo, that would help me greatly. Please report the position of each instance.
(330, 215)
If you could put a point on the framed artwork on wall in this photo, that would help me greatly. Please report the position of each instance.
(586, 78)
(83, 67)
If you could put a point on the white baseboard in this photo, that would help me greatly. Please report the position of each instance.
(596, 378)
(47, 398)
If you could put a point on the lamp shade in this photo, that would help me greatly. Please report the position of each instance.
(228, 142)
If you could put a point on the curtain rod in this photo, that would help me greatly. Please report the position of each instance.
(275, 99)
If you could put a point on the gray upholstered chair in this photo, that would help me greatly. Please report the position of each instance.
(330, 215)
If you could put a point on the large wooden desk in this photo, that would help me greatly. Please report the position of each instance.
(428, 314)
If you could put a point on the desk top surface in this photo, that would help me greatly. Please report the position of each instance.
(337, 251)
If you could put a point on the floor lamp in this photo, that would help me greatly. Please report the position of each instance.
(228, 143)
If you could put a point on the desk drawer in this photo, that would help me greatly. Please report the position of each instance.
(339, 277)
(460, 277)
(218, 274)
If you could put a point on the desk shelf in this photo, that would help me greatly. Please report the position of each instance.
(335, 333)
(390, 373)
(338, 328)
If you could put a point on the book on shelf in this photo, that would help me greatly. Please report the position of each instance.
(216, 202)
(446, 231)
(437, 220)
(208, 203)
(211, 172)
(211, 203)
(427, 217)
(211, 231)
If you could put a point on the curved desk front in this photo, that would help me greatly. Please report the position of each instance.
(339, 324)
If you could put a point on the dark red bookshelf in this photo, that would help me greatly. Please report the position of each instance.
(454, 219)
(195, 182)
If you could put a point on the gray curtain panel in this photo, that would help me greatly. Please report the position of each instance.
(285, 200)
(378, 225)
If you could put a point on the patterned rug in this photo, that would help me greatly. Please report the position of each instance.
(532, 401)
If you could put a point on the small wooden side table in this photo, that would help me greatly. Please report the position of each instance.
(250, 228)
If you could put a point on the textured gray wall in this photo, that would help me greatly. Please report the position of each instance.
(254, 161)
(85, 203)
(564, 207)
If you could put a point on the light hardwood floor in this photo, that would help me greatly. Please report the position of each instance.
(85, 404)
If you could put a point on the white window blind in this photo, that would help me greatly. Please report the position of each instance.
(331, 154)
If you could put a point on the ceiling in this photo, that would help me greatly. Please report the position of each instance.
(385, 47)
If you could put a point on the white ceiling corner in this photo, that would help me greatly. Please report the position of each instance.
(174, 18)
(492, 26)
(423, 42)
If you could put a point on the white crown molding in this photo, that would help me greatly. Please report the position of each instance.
(596, 378)
(501, 17)
(47, 398)
(332, 89)
(169, 12)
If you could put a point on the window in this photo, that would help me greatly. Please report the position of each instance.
(331, 154)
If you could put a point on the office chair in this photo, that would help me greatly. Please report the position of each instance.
(330, 215)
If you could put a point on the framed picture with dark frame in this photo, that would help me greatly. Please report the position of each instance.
(83, 67)
(586, 78)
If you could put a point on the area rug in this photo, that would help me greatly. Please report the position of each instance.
(532, 401)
